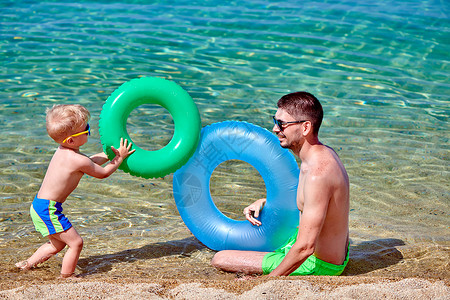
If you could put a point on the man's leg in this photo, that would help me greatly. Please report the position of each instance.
(248, 262)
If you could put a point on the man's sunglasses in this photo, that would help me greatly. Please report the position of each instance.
(87, 130)
(282, 124)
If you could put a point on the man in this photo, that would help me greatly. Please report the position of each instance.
(321, 245)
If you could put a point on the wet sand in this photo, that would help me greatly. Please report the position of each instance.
(382, 270)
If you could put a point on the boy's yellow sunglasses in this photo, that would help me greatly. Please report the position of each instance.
(87, 130)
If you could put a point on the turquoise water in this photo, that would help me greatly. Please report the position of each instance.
(381, 71)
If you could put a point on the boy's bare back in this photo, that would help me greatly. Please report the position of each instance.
(68, 166)
(63, 175)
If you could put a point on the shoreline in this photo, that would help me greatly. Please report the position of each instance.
(181, 269)
(309, 287)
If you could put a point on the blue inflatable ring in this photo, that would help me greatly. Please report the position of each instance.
(260, 148)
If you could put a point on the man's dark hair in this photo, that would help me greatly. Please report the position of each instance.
(303, 106)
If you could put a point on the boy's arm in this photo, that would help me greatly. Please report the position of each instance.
(90, 168)
(99, 158)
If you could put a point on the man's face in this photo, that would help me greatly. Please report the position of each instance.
(289, 133)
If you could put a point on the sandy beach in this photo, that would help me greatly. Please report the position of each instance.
(181, 269)
(258, 288)
(379, 272)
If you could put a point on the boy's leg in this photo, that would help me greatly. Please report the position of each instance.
(42, 254)
(248, 262)
(71, 238)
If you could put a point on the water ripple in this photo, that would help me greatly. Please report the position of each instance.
(379, 68)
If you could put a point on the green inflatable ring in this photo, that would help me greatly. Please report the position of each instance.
(151, 90)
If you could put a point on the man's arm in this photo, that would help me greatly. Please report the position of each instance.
(316, 195)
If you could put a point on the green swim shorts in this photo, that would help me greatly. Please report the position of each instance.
(311, 266)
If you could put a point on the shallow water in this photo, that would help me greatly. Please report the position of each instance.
(380, 70)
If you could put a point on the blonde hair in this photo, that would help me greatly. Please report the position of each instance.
(64, 119)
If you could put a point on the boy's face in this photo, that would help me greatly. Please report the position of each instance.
(81, 137)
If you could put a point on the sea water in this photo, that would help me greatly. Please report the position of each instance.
(380, 69)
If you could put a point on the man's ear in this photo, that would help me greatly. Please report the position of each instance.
(306, 128)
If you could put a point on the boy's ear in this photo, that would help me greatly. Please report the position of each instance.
(69, 141)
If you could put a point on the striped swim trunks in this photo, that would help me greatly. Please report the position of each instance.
(47, 217)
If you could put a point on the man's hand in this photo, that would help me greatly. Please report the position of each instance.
(251, 212)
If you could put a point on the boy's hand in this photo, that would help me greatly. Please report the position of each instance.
(124, 149)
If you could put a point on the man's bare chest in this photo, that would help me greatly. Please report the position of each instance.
(300, 191)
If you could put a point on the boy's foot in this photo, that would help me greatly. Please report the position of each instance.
(23, 265)
(69, 276)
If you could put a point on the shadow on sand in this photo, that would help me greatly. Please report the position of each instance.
(373, 255)
(364, 258)
(104, 263)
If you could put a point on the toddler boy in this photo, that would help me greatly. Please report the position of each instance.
(68, 126)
